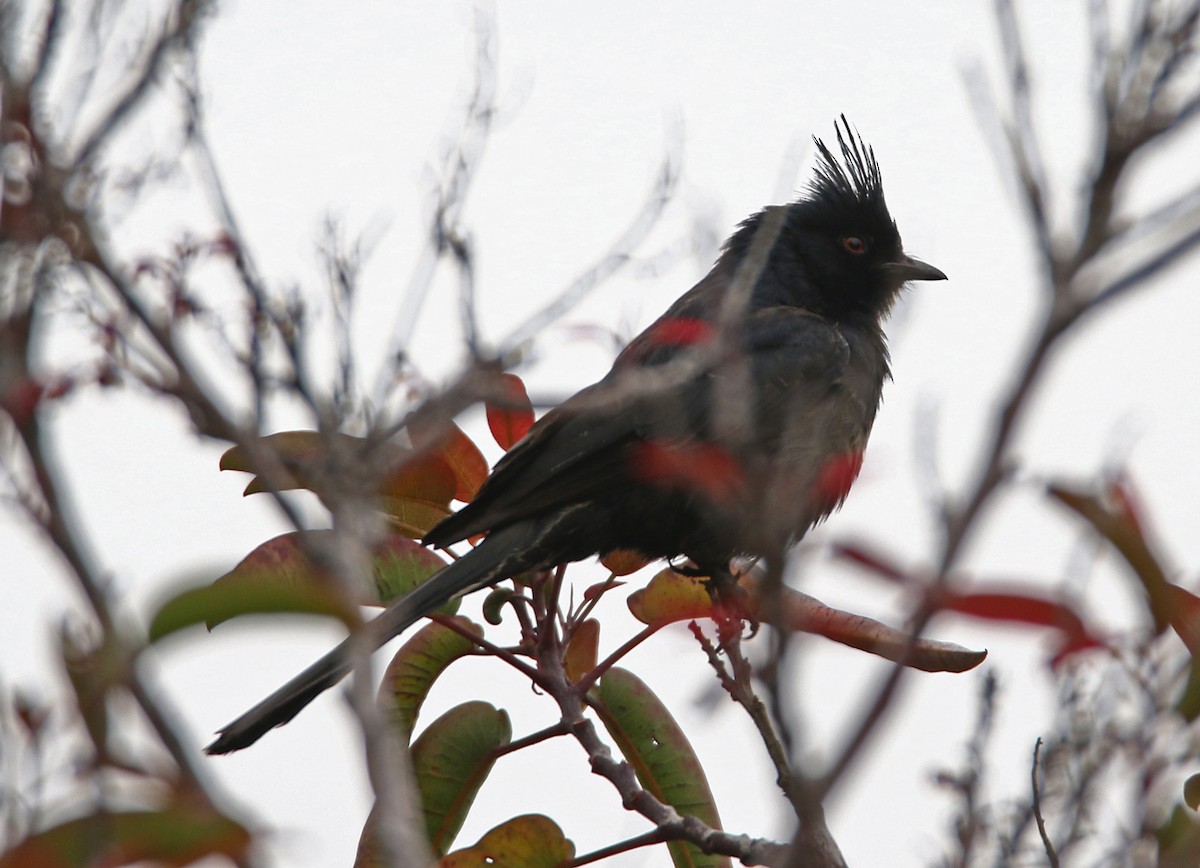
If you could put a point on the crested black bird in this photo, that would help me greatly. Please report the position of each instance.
(728, 428)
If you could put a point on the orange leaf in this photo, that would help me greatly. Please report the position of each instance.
(466, 461)
(622, 562)
(582, 650)
(426, 477)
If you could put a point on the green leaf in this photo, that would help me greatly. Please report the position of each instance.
(212, 604)
(528, 841)
(451, 759)
(418, 663)
(176, 835)
(400, 564)
(1188, 704)
(292, 447)
(494, 603)
(652, 742)
(1179, 839)
(278, 576)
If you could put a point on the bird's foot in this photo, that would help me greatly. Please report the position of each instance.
(731, 607)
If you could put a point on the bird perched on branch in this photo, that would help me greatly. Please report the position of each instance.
(728, 428)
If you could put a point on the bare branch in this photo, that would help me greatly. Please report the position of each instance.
(180, 32)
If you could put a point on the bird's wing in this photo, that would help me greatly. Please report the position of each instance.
(579, 449)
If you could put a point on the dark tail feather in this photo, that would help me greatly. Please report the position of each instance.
(491, 561)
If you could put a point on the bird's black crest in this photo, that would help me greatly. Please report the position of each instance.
(854, 184)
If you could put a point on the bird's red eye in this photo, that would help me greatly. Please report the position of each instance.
(854, 244)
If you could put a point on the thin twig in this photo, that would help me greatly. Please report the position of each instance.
(1051, 855)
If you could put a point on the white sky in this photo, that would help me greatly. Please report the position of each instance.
(319, 108)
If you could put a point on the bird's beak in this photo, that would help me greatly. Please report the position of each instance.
(908, 268)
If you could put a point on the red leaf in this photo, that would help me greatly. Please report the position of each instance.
(21, 399)
(512, 417)
(1027, 609)
(700, 468)
(1118, 522)
(1185, 617)
(873, 562)
(593, 592)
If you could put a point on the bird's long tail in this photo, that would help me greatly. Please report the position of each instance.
(497, 557)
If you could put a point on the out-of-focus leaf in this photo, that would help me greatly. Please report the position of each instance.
(528, 841)
(1189, 702)
(622, 562)
(176, 835)
(451, 760)
(418, 663)
(279, 572)
(582, 649)
(1025, 608)
(300, 452)
(671, 596)
(425, 477)
(278, 576)
(1119, 527)
(510, 418)
(660, 754)
(1178, 840)
(413, 518)
(460, 453)
(874, 562)
(450, 466)
(212, 604)
(292, 447)
(1185, 617)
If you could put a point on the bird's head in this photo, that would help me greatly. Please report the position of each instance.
(838, 252)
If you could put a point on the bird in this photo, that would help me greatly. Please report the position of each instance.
(727, 429)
